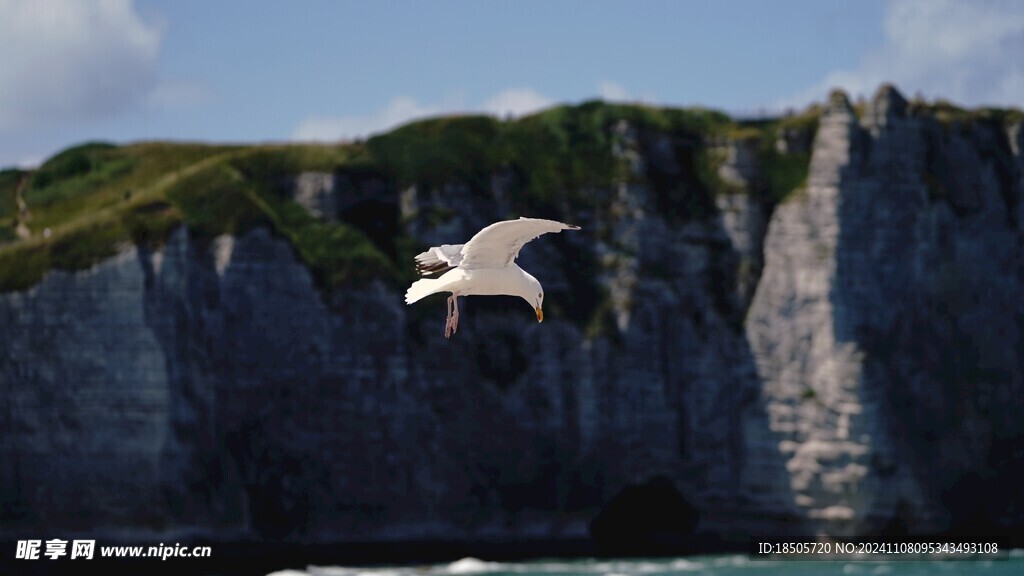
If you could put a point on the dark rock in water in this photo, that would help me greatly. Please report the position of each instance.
(898, 527)
(645, 519)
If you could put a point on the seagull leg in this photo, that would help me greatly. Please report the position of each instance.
(455, 318)
(448, 320)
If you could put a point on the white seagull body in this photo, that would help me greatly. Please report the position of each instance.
(484, 266)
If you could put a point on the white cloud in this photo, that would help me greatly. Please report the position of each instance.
(67, 60)
(29, 162)
(966, 52)
(516, 102)
(612, 92)
(399, 111)
(512, 102)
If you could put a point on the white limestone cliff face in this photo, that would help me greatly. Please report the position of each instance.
(317, 193)
(873, 286)
(815, 369)
(254, 407)
(87, 407)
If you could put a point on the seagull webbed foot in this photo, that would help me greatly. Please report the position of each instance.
(455, 317)
(451, 324)
(448, 320)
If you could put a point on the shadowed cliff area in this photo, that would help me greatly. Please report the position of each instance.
(794, 327)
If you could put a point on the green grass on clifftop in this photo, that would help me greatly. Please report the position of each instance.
(9, 180)
(783, 173)
(950, 114)
(97, 198)
(557, 153)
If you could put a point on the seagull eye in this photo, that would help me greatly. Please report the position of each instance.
(540, 296)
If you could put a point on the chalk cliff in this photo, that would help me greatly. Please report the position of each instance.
(887, 326)
(821, 364)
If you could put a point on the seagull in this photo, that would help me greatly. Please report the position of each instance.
(484, 266)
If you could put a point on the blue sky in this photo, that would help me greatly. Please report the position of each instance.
(232, 71)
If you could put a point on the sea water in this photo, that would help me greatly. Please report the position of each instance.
(1008, 564)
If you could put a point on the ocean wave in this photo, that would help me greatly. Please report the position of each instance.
(471, 566)
(732, 565)
(346, 571)
(684, 565)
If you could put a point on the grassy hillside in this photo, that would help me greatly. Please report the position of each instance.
(9, 181)
(558, 153)
(96, 198)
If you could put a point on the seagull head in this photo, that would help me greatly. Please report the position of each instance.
(533, 293)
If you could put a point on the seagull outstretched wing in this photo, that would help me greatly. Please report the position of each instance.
(439, 258)
(498, 245)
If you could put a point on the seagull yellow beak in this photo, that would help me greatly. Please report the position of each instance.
(540, 314)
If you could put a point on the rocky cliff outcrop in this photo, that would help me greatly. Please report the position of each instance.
(811, 367)
(887, 326)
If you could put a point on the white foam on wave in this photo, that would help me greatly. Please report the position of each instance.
(336, 571)
(347, 571)
(630, 567)
(549, 568)
(471, 566)
(684, 565)
(457, 568)
(384, 572)
(332, 571)
(734, 560)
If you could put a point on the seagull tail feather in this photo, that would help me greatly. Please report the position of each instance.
(422, 288)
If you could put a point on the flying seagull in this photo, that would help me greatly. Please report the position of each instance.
(484, 266)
